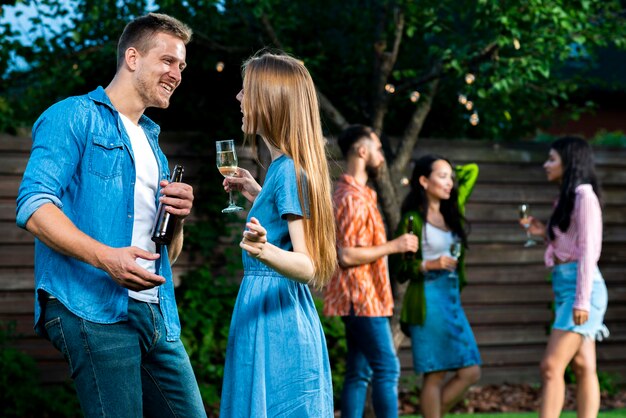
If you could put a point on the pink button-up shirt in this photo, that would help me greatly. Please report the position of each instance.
(581, 242)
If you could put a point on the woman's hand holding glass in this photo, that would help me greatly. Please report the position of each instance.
(533, 226)
(226, 161)
(455, 252)
(524, 217)
(444, 262)
(243, 182)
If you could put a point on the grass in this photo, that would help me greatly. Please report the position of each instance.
(617, 413)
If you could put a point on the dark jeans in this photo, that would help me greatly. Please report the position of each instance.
(125, 369)
(371, 357)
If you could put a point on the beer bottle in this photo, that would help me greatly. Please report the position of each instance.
(165, 222)
(409, 255)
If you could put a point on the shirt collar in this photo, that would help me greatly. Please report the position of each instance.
(352, 183)
(100, 96)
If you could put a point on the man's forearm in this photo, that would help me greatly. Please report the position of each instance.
(357, 256)
(50, 225)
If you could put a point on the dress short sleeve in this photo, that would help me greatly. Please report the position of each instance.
(287, 198)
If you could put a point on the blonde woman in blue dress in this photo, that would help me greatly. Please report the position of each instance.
(277, 361)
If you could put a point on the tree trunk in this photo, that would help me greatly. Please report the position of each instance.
(386, 60)
(388, 186)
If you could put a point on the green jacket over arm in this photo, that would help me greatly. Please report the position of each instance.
(403, 269)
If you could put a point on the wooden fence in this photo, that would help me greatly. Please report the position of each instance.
(508, 297)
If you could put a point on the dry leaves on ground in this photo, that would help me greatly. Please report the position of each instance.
(508, 398)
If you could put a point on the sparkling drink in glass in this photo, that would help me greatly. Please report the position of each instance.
(455, 251)
(226, 159)
(524, 212)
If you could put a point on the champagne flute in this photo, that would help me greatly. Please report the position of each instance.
(227, 165)
(524, 212)
(455, 252)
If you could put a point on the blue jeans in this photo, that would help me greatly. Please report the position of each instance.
(125, 369)
(371, 357)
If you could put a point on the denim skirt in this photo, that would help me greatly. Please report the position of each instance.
(564, 288)
(445, 340)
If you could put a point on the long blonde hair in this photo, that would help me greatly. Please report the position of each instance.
(280, 102)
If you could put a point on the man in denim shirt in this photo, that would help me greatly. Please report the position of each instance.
(104, 294)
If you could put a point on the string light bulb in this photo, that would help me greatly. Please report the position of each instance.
(516, 44)
(404, 181)
(219, 67)
(469, 105)
(390, 88)
(473, 120)
(462, 99)
(470, 78)
(415, 96)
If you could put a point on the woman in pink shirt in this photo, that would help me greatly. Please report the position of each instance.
(574, 239)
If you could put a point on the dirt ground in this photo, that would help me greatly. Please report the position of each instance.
(509, 398)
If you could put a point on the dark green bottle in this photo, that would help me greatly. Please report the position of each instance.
(165, 222)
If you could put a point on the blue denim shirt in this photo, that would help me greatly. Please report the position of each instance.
(82, 162)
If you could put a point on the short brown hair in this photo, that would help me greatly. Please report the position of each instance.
(351, 135)
(140, 32)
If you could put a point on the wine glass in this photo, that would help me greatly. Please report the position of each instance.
(524, 212)
(227, 165)
(455, 251)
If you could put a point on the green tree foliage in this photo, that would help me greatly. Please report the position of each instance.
(21, 392)
(522, 54)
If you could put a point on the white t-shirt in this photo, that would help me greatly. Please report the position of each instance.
(435, 242)
(146, 186)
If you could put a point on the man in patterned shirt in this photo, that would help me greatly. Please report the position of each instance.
(360, 291)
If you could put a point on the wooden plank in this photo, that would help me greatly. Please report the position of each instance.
(17, 255)
(38, 347)
(523, 174)
(509, 334)
(12, 279)
(10, 143)
(507, 212)
(509, 314)
(13, 164)
(514, 294)
(7, 210)
(17, 303)
(497, 253)
(512, 233)
(486, 192)
(497, 274)
(10, 233)
(530, 313)
(9, 186)
(485, 254)
(23, 324)
(461, 151)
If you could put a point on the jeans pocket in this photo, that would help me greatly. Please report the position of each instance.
(106, 156)
(599, 296)
(54, 328)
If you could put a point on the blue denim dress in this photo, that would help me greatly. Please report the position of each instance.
(276, 361)
(564, 287)
(445, 341)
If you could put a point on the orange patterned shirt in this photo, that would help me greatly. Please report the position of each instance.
(365, 288)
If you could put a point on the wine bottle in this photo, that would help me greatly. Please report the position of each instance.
(165, 222)
(409, 255)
